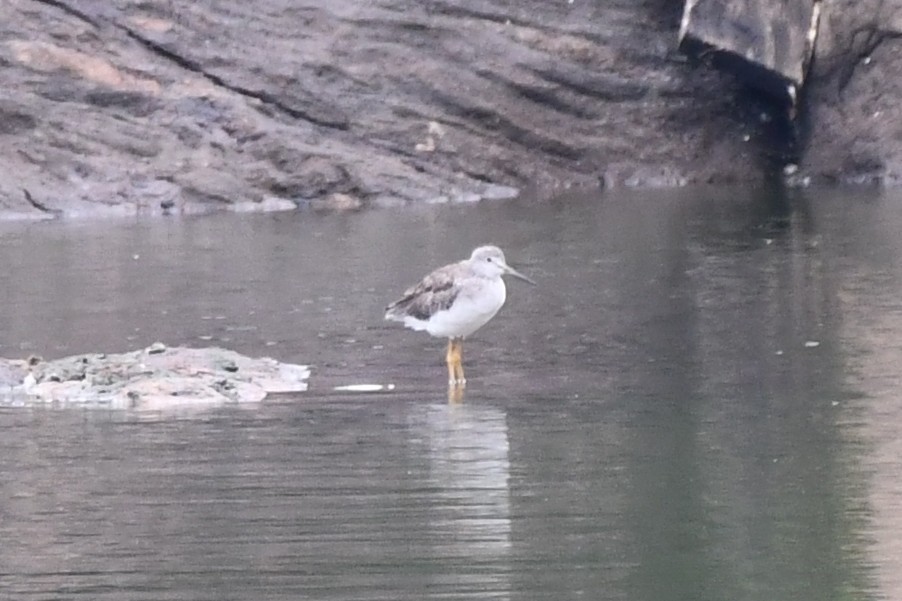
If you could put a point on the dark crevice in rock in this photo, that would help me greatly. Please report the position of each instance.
(544, 96)
(504, 18)
(609, 88)
(493, 121)
(394, 147)
(195, 67)
(135, 103)
(777, 135)
(872, 37)
(264, 97)
(389, 30)
(450, 10)
(13, 122)
(70, 10)
(38, 205)
(480, 177)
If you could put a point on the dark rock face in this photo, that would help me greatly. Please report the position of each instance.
(125, 107)
(855, 120)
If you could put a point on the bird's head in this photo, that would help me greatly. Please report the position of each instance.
(489, 261)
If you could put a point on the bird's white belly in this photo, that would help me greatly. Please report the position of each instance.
(471, 310)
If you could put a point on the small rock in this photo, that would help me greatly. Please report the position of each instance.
(267, 205)
(156, 348)
(336, 202)
(427, 146)
(364, 387)
(499, 192)
(29, 382)
(466, 197)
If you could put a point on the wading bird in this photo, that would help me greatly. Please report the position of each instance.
(456, 300)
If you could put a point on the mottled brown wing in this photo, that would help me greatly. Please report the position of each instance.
(434, 293)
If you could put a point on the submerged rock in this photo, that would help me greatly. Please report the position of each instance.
(156, 377)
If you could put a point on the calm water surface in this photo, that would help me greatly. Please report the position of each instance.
(700, 400)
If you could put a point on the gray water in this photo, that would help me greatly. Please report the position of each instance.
(700, 400)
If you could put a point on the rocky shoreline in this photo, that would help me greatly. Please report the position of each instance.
(137, 108)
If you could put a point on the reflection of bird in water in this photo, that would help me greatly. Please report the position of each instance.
(467, 451)
(456, 300)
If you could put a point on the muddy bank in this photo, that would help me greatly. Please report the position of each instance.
(122, 107)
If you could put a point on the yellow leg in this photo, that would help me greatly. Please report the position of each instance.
(454, 359)
(461, 380)
(450, 358)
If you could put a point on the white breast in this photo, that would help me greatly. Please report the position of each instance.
(477, 303)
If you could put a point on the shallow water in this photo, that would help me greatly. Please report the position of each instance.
(700, 400)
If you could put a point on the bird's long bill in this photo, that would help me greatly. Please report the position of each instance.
(517, 274)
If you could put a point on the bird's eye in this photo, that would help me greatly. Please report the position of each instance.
(489, 259)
